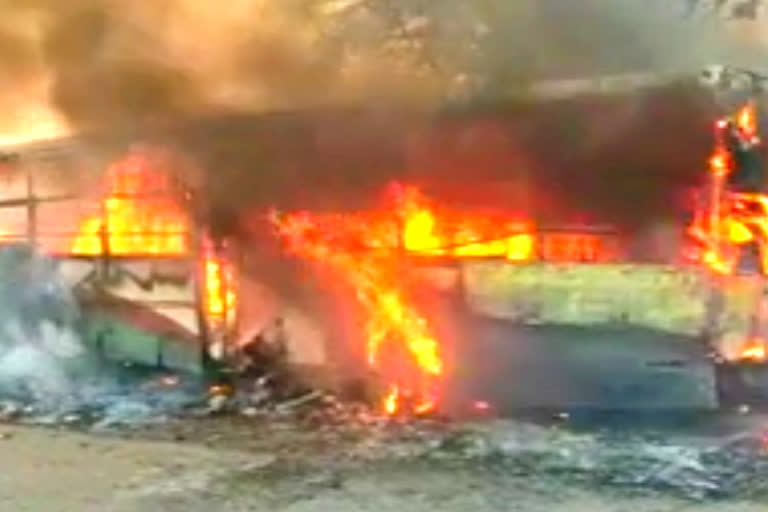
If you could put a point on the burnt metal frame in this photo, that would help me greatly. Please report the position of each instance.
(104, 262)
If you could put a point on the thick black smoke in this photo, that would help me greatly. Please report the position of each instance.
(103, 64)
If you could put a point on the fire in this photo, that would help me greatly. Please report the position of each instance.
(731, 219)
(756, 350)
(366, 250)
(459, 236)
(746, 120)
(139, 215)
(214, 291)
(142, 215)
(719, 163)
(391, 400)
(220, 297)
(392, 324)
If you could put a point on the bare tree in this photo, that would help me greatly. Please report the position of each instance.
(497, 47)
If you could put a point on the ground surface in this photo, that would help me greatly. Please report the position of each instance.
(246, 464)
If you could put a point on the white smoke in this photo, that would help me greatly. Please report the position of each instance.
(40, 350)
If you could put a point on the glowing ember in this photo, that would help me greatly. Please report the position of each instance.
(139, 216)
(719, 164)
(746, 120)
(391, 401)
(220, 390)
(756, 351)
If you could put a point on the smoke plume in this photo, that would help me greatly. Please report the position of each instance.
(103, 64)
(40, 351)
(96, 62)
(93, 62)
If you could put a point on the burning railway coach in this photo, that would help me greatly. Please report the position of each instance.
(484, 310)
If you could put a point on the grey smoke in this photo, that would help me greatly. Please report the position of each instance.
(47, 364)
(102, 62)
(40, 351)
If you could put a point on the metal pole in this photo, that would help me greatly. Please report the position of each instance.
(104, 236)
(31, 207)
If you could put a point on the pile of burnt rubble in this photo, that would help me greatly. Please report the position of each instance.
(258, 382)
(260, 385)
(261, 382)
(167, 396)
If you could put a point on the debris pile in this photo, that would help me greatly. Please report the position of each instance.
(120, 397)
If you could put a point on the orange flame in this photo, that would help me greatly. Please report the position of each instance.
(391, 401)
(756, 350)
(719, 163)
(731, 219)
(220, 297)
(746, 120)
(139, 216)
(460, 236)
(391, 321)
(364, 250)
(142, 216)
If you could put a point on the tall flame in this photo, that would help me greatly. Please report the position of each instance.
(391, 322)
(365, 250)
(220, 296)
(731, 219)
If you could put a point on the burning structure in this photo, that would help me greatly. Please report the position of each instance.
(376, 254)
(488, 309)
(156, 287)
(553, 317)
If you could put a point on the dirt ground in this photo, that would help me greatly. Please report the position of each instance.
(234, 466)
